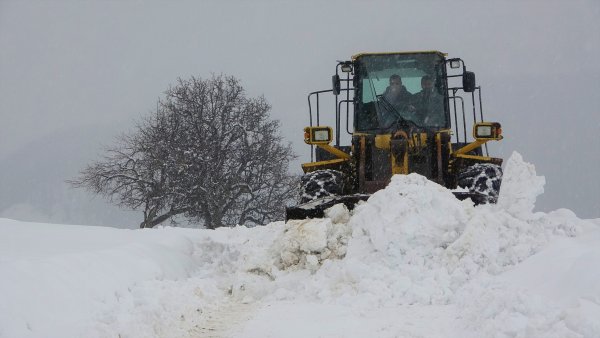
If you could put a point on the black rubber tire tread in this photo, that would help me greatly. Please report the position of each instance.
(321, 183)
(482, 178)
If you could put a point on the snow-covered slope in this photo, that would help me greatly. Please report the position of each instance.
(411, 262)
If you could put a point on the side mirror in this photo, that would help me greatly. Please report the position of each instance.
(337, 87)
(469, 82)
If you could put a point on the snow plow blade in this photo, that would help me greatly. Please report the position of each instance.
(316, 208)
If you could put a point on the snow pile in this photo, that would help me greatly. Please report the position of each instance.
(520, 187)
(411, 261)
(52, 273)
(305, 244)
(413, 242)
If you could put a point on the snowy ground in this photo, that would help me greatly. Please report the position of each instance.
(411, 262)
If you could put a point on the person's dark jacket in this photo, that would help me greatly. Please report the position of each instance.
(393, 105)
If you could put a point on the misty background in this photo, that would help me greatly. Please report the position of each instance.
(73, 75)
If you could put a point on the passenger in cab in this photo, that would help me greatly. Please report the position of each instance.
(427, 104)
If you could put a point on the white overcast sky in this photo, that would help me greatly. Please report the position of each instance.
(68, 65)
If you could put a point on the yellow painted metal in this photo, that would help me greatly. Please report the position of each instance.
(438, 152)
(361, 163)
(334, 151)
(383, 141)
(471, 146)
(418, 140)
(474, 157)
(342, 157)
(400, 169)
(312, 166)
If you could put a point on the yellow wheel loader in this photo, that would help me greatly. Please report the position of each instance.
(409, 112)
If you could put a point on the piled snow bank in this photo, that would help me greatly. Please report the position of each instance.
(412, 213)
(553, 293)
(305, 244)
(412, 250)
(55, 278)
(413, 243)
(426, 235)
(520, 187)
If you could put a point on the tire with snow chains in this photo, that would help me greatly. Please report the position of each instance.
(482, 178)
(321, 183)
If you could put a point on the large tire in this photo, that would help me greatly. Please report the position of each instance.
(482, 178)
(321, 183)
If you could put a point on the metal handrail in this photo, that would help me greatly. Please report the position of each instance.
(462, 101)
(347, 117)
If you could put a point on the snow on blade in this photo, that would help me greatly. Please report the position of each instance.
(306, 244)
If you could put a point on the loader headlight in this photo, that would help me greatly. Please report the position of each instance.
(454, 63)
(487, 131)
(346, 66)
(484, 131)
(318, 135)
(321, 135)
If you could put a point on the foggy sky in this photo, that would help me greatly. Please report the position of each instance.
(71, 65)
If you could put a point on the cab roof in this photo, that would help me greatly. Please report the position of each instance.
(356, 56)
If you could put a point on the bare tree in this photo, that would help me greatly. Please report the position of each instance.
(208, 152)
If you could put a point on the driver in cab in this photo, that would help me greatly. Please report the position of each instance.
(394, 102)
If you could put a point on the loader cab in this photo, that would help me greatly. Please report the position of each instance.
(360, 86)
(419, 100)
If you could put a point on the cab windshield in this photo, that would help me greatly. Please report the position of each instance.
(405, 89)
